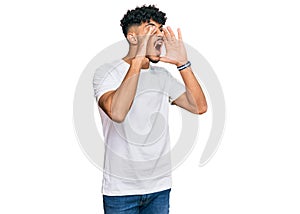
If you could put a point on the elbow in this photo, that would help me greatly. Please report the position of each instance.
(202, 110)
(117, 120)
(116, 114)
(117, 117)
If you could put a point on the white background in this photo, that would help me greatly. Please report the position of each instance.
(253, 47)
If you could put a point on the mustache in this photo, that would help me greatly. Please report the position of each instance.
(159, 42)
(160, 39)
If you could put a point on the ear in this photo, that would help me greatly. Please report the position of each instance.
(132, 38)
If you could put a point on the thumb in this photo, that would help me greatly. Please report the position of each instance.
(166, 59)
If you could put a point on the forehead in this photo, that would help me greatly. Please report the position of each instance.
(138, 28)
(151, 22)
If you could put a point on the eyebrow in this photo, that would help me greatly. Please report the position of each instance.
(150, 23)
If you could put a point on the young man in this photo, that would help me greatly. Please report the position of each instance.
(133, 98)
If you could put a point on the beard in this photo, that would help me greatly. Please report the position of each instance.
(154, 59)
(154, 55)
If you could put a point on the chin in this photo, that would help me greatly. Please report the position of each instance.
(154, 59)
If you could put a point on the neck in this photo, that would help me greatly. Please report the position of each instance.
(132, 54)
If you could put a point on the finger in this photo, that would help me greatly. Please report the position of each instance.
(166, 34)
(151, 29)
(171, 32)
(179, 34)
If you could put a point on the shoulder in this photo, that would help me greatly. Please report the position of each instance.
(109, 69)
(160, 71)
(109, 66)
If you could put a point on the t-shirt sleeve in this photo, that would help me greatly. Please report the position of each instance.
(176, 88)
(104, 81)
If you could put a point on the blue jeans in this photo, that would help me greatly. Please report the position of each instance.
(153, 203)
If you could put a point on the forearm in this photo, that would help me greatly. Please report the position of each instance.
(123, 96)
(117, 103)
(194, 92)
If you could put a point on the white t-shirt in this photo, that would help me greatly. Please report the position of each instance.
(137, 151)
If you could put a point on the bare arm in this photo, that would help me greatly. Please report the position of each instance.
(193, 99)
(117, 103)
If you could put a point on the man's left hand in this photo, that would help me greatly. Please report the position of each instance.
(175, 49)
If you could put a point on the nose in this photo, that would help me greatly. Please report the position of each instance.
(159, 32)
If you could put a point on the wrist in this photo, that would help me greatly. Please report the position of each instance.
(178, 64)
(184, 66)
(139, 61)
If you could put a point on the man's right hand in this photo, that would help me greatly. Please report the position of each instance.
(143, 41)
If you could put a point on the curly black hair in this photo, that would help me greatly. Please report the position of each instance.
(140, 15)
